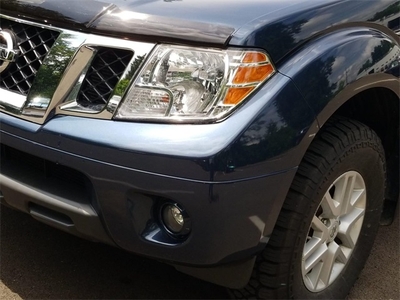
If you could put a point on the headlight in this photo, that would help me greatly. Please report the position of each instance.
(193, 84)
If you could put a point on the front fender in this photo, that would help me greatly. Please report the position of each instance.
(333, 68)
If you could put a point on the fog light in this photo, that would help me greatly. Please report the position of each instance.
(175, 219)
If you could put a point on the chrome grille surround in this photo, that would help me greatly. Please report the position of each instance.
(67, 73)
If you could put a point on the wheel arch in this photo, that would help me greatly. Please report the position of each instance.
(354, 73)
(376, 105)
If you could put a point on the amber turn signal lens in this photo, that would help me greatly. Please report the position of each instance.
(254, 69)
(236, 94)
(254, 57)
(253, 74)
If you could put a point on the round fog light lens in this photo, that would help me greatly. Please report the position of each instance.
(173, 218)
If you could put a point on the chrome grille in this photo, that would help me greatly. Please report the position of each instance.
(34, 44)
(106, 70)
(64, 72)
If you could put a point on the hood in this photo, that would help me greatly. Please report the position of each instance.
(203, 21)
(277, 26)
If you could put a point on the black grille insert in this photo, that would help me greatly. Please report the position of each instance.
(103, 75)
(34, 43)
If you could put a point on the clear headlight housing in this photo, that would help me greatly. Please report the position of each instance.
(185, 84)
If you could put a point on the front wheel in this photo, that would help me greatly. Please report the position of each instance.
(329, 220)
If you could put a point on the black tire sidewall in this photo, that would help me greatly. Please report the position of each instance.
(368, 163)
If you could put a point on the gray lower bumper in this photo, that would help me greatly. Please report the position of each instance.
(72, 217)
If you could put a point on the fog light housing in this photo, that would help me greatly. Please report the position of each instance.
(175, 220)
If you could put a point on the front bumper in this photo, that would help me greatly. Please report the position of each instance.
(116, 204)
(104, 179)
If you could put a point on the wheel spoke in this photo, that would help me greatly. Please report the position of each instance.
(346, 191)
(317, 256)
(333, 261)
(330, 207)
(320, 236)
(348, 195)
(350, 226)
(358, 198)
(341, 188)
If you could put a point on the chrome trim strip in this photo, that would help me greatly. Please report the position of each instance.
(22, 21)
(11, 99)
(71, 83)
(48, 78)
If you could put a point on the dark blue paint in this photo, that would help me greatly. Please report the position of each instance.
(338, 61)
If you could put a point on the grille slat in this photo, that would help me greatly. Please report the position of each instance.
(34, 44)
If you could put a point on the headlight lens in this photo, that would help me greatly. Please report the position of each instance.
(193, 84)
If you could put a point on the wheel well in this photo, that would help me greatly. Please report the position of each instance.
(378, 108)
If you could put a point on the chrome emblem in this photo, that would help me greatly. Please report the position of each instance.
(8, 52)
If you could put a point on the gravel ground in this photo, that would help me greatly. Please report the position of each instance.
(39, 262)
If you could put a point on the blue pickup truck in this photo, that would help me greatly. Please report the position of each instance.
(252, 144)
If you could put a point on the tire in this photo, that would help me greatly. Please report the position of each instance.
(329, 220)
